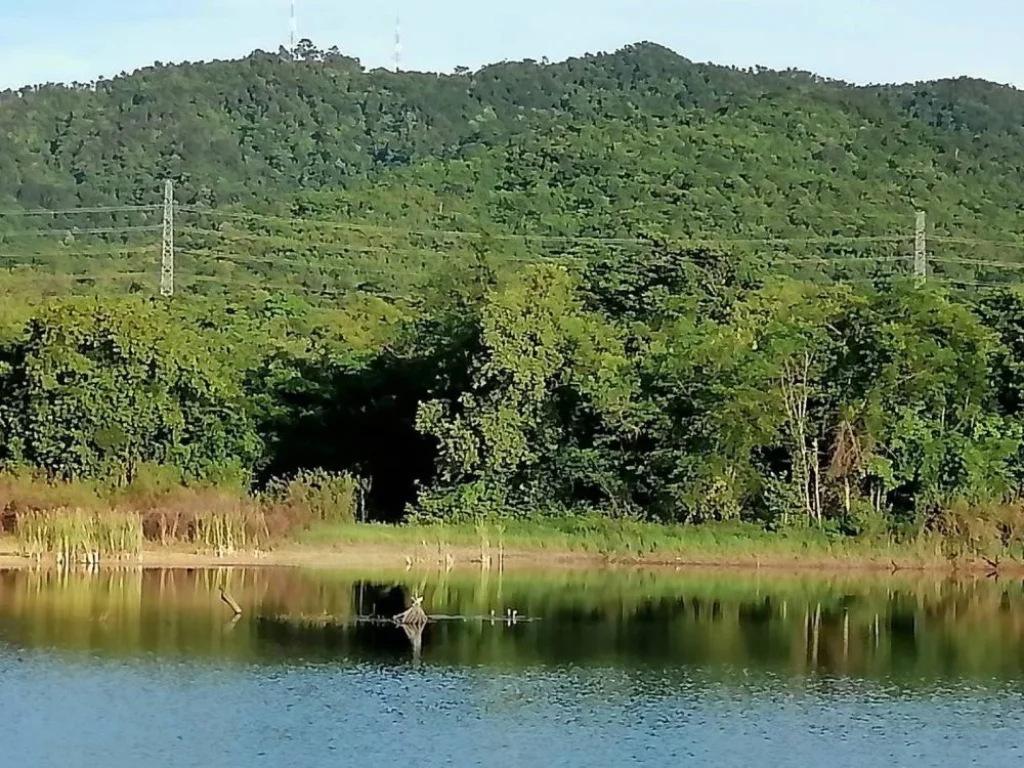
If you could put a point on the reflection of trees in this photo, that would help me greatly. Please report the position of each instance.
(877, 627)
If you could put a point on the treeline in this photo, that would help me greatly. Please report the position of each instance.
(692, 386)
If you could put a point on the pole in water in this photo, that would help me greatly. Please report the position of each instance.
(231, 602)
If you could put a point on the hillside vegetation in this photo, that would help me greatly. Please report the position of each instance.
(625, 285)
(377, 180)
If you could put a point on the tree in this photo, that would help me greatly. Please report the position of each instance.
(510, 442)
(94, 390)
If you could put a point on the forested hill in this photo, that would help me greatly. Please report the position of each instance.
(622, 145)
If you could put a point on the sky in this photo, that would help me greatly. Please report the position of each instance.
(863, 41)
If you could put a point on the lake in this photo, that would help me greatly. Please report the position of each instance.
(146, 668)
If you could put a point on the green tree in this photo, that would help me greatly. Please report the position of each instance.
(94, 390)
(509, 443)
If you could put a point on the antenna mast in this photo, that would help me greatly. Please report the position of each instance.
(294, 28)
(398, 43)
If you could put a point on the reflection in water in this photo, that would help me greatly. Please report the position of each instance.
(894, 628)
(148, 668)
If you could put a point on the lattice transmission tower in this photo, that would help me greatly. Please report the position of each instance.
(167, 262)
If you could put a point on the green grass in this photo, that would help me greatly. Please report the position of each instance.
(619, 539)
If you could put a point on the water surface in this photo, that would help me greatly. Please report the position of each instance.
(146, 668)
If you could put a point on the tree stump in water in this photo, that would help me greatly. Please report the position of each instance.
(414, 616)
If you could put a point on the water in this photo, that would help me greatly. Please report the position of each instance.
(138, 668)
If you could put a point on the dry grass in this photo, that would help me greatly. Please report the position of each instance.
(211, 520)
(80, 520)
(76, 520)
(24, 491)
(990, 531)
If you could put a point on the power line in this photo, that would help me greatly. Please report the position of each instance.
(57, 231)
(318, 250)
(110, 276)
(969, 283)
(977, 262)
(327, 266)
(818, 240)
(971, 241)
(858, 280)
(373, 228)
(811, 260)
(270, 261)
(90, 278)
(127, 251)
(278, 240)
(260, 286)
(76, 211)
(252, 215)
(682, 241)
(414, 259)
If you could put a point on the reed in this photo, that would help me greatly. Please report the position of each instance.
(226, 530)
(82, 522)
(75, 535)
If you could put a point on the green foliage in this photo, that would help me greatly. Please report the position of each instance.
(794, 404)
(545, 365)
(380, 182)
(96, 389)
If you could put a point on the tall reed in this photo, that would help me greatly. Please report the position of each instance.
(79, 520)
(230, 530)
(75, 535)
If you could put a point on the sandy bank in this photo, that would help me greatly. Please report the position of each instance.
(393, 555)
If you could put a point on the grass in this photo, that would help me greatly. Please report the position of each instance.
(628, 540)
(75, 521)
(318, 495)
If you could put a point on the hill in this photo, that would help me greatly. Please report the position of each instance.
(374, 179)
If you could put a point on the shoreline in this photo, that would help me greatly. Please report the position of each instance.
(368, 555)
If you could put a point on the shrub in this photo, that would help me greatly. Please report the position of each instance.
(318, 495)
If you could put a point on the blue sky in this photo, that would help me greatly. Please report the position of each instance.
(857, 40)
